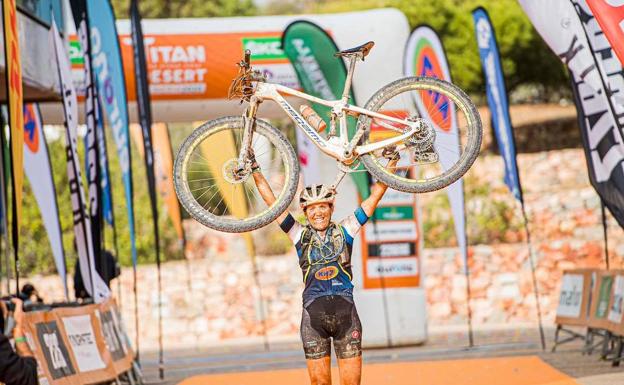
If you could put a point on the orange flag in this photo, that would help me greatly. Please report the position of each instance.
(16, 112)
(163, 169)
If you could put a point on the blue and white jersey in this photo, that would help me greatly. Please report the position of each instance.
(325, 258)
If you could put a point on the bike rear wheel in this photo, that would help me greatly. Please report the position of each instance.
(441, 104)
(216, 196)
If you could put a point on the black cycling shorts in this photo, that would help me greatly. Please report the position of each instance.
(331, 317)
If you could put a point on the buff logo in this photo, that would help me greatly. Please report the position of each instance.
(31, 133)
(107, 89)
(326, 273)
(437, 105)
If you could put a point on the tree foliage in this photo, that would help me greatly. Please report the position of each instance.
(35, 251)
(186, 8)
(526, 59)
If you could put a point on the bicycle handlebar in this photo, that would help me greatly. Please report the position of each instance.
(247, 58)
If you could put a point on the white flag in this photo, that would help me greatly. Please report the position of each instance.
(94, 284)
(558, 24)
(424, 56)
(39, 173)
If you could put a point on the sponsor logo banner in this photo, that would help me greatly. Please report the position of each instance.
(39, 174)
(109, 73)
(403, 249)
(497, 98)
(54, 350)
(393, 197)
(610, 15)
(558, 24)
(603, 144)
(616, 311)
(311, 50)
(13, 73)
(112, 336)
(424, 56)
(82, 226)
(392, 267)
(82, 341)
(263, 48)
(604, 297)
(395, 213)
(571, 296)
(391, 231)
(163, 161)
(609, 66)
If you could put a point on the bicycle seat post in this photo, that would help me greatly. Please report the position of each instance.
(347, 88)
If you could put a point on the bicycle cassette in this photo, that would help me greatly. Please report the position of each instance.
(422, 140)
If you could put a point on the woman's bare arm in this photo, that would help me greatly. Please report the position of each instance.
(377, 192)
(266, 192)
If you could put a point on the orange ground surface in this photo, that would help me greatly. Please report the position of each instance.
(487, 371)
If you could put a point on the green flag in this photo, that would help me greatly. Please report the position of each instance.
(311, 51)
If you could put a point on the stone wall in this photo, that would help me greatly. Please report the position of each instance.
(213, 297)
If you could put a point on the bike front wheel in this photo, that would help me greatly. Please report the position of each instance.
(217, 195)
(440, 154)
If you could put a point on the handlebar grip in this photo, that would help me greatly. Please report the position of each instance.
(247, 57)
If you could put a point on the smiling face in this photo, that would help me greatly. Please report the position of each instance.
(319, 215)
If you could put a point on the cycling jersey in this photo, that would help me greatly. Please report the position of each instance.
(325, 261)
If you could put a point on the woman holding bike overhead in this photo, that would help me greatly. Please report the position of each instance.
(324, 250)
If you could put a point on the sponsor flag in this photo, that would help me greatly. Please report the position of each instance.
(424, 56)
(163, 167)
(607, 62)
(92, 168)
(15, 94)
(3, 205)
(610, 16)
(39, 173)
(145, 114)
(145, 118)
(497, 98)
(311, 51)
(105, 186)
(94, 284)
(558, 23)
(109, 76)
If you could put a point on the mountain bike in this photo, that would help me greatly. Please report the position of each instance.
(212, 172)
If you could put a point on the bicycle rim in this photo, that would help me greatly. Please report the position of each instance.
(435, 158)
(212, 192)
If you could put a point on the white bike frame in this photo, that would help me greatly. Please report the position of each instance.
(336, 147)
(339, 148)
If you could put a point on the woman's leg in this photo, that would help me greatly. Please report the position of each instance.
(317, 347)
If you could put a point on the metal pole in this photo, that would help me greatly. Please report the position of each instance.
(604, 230)
(262, 310)
(468, 296)
(136, 313)
(535, 289)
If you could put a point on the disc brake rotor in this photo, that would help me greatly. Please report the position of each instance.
(233, 174)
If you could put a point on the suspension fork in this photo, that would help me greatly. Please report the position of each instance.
(249, 118)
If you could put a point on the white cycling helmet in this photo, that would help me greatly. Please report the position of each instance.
(316, 193)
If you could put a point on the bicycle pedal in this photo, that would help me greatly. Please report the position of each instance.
(426, 157)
